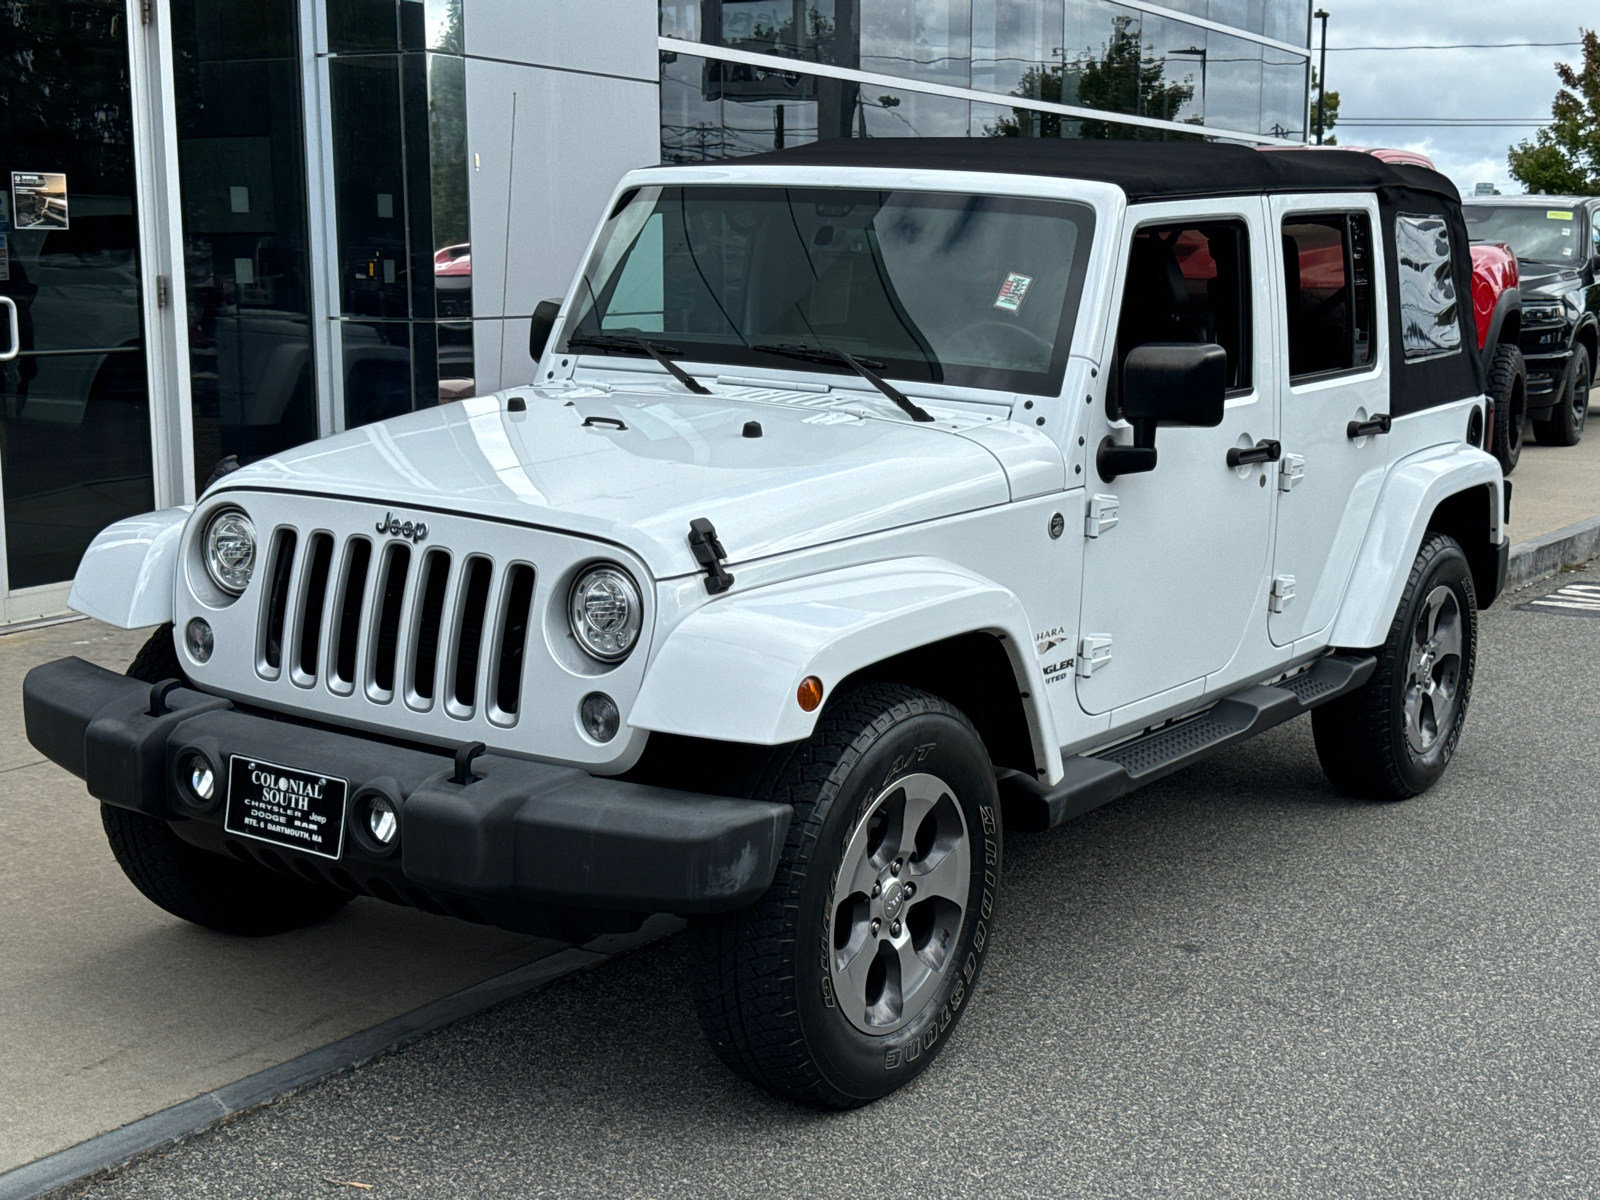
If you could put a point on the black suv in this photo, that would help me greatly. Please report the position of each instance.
(1557, 243)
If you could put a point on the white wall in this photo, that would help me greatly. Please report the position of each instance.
(562, 99)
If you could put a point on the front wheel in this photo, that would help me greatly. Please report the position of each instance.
(1392, 738)
(1566, 422)
(846, 978)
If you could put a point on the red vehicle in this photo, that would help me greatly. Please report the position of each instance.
(1497, 311)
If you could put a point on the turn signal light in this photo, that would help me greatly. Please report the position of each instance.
(809, 693)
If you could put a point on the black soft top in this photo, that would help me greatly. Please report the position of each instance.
(1143, 170)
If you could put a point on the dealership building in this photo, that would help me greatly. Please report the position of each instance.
(231, 226)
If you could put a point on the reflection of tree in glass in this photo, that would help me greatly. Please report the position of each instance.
(1121, 79)
(817, 45)
(447, 135)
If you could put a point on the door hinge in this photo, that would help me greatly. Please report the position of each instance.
(1291, 470)
(1094, 652)
(144, 11)
(161, 291)
(1282, 592)
(1102, 515)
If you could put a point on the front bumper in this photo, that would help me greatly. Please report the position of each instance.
(1546, 378)
(524, 845)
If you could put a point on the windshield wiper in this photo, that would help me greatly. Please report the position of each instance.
(630, 343)
(861, 366)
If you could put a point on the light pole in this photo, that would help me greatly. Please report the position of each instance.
(1322, 71)
(1199, 53)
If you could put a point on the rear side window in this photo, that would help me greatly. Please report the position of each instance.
(1189, 282)
(1327, 265)
(1430, 319)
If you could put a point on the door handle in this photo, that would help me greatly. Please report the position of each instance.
(1377, 423)
(1264, 451)
(16, 330)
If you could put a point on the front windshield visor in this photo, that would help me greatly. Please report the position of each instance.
(1540, 234)
(963, 290)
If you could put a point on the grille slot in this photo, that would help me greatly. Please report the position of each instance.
(392, 590)
(358, 558)
(513, 639)
(430, 618)
(281, 567)
(469, 630)
(316, 598)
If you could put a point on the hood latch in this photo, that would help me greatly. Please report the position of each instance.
(708, 552)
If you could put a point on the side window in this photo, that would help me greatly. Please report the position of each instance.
(1430, 320)
(1188, 282)
(1327, 266)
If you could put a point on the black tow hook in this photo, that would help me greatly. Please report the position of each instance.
(464, 757)
(158, 696)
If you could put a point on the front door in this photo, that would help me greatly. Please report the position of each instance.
(1176, 584)
(75, 427)
(1334, 372)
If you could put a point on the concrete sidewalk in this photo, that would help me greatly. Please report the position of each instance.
(1556, 486)
(110, 1009)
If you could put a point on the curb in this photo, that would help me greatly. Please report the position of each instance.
(171, 1126)
(1542, 557)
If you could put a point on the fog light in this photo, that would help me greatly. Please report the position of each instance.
(198, 638)
(600, 717)
(383, 823)
(202, 781)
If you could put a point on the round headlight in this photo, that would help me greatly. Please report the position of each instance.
(606, 613)
(230, 550)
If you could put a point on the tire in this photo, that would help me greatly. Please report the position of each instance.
(1393, 738)
(779, 985)
(1508, 388)
(1565, 424)
(204, 888)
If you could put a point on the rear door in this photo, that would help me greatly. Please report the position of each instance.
(1176, 584)
(1334, 371)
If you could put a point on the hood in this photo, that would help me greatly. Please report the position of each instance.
(1547, 279)
(647, 463)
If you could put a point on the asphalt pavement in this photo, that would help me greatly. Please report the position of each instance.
(1235, 983)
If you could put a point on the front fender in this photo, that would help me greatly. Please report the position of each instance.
(1416, 486)
(730, 670)
(127, 574)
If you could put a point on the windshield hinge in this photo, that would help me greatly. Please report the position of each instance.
(708, 552)
(1102, 515)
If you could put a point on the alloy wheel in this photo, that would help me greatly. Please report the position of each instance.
(899, 904)
(1433, 681)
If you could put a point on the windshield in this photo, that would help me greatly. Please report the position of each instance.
(1538, 234)
(972, 291)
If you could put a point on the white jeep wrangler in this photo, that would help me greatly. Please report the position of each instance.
(873, 498)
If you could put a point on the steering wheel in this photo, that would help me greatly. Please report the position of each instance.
(979, 337)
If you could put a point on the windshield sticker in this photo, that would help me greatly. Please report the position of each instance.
(1013, 291)
(1555, 214)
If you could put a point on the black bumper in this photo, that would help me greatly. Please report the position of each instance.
(525, 845)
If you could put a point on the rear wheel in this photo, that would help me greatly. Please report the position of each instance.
(1393, 738)
(207, 889)
(1508, 389)
(1564, 426)
(846, 978)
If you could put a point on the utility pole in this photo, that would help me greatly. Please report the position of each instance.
(1322, 71)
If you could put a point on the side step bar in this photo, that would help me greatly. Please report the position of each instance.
(1096, 779)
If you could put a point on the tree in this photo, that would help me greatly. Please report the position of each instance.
(1564, 157)
(1330, 110)
(1120, 80)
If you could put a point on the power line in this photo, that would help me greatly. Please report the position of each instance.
(1458, 46)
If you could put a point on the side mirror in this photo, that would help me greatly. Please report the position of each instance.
(544, 320)
(1165, 383)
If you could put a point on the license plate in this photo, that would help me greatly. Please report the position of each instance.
(288, 807)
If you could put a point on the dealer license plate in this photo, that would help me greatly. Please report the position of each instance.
(285, 806)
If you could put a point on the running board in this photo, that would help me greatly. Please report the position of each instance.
(1095, 779)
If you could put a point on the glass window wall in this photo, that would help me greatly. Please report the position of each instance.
(74, 403)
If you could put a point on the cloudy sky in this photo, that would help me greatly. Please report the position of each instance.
(1477, 84)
